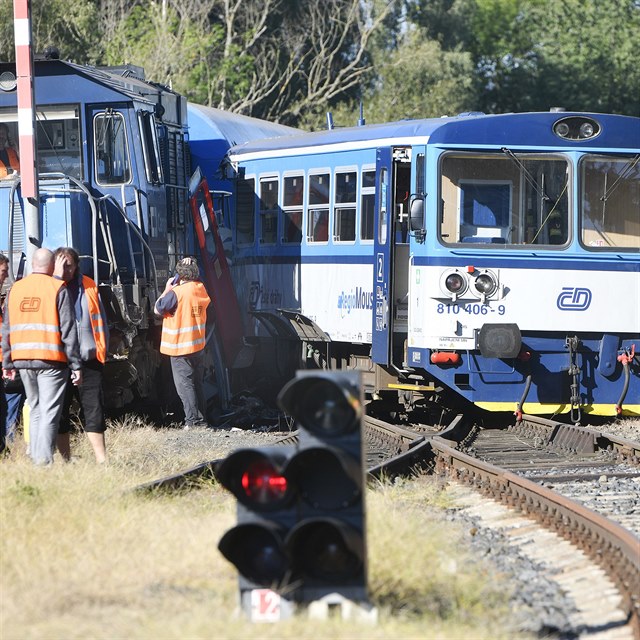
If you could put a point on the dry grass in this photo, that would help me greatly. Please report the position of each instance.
(81, 557)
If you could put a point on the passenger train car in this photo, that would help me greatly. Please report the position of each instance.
(483, 259)
(115, 157)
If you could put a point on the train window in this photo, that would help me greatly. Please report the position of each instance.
(367, 204)
(345, 206)
(382, 213)
(610, 201)
(292, 209)
(268, 210)
(58, 140)
(507, 199)
(245, 210)
(319, 188)
(112, 161)
(150, 147)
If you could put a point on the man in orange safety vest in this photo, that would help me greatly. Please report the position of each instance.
(183, 307)
(39, 338)
(9, 159)
(93, 334)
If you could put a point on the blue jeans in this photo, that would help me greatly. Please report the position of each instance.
(14, 407)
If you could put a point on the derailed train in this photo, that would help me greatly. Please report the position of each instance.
(492, 260)
(114, 156)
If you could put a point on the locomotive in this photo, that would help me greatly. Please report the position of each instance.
(491, 261)
(116, 158)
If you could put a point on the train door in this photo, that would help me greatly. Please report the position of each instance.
(391, 255)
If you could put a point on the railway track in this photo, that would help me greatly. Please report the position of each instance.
(545, 470)
(524, 467)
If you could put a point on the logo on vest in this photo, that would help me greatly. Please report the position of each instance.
(196, 311)
(30, 305)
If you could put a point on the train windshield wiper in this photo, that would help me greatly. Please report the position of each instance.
(527, 174)
(623, 175)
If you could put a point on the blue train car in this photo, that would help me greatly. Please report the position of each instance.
(115, 154)
(493, 259)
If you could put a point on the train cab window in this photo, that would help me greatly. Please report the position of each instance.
(345, 206)
(610, 202)
(319, 191)
(150, 147)
(367, 204)
(245, 210)
(292, 208)
(58, 140)
(112, 162)
(492, 200)
(268, 210)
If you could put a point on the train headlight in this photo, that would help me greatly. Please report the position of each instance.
(8, 81)
(586, 130)
(485, 284)
(453, 283)
(576, 128)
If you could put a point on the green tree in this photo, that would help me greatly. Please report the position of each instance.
(69, 26)
(418, 80)
(579, 54)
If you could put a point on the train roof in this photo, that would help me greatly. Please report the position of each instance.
(60, 82)
(212, 132)
(514, 129)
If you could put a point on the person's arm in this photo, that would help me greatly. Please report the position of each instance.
(68, 330)
(167, 303)
(7, 364)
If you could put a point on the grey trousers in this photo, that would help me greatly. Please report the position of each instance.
(45, 394)
(188, 376)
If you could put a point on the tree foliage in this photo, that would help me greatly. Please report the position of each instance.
(293, 60)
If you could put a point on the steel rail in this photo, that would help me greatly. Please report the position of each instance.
(614, 548)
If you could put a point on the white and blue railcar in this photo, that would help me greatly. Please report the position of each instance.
(494, 258)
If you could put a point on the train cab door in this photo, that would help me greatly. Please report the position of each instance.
(391, 254)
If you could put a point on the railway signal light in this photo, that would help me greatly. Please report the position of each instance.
(266, 510)
(301, 511)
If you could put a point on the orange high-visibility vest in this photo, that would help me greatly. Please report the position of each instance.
(97, 326)
(14, 162)
(34, 325)
(184, 331)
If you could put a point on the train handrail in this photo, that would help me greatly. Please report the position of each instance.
(138, 232)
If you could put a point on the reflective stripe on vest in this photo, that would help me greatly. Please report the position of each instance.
(97, 325)
(183, 333)
(34, 325)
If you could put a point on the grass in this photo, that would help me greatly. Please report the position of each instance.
(83, 557)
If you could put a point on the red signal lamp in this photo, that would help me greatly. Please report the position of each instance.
(263, 483)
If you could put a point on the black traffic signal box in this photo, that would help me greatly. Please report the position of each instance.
(301, 510)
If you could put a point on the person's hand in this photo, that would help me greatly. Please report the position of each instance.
(9, 374)
(58, 268)
(76, 378)
(171, 284)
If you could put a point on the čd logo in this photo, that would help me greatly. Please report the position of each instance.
(30, 305)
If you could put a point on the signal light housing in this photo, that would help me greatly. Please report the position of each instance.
(301, 510)
(256, 477)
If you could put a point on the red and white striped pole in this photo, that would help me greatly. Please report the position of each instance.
(26, 124)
